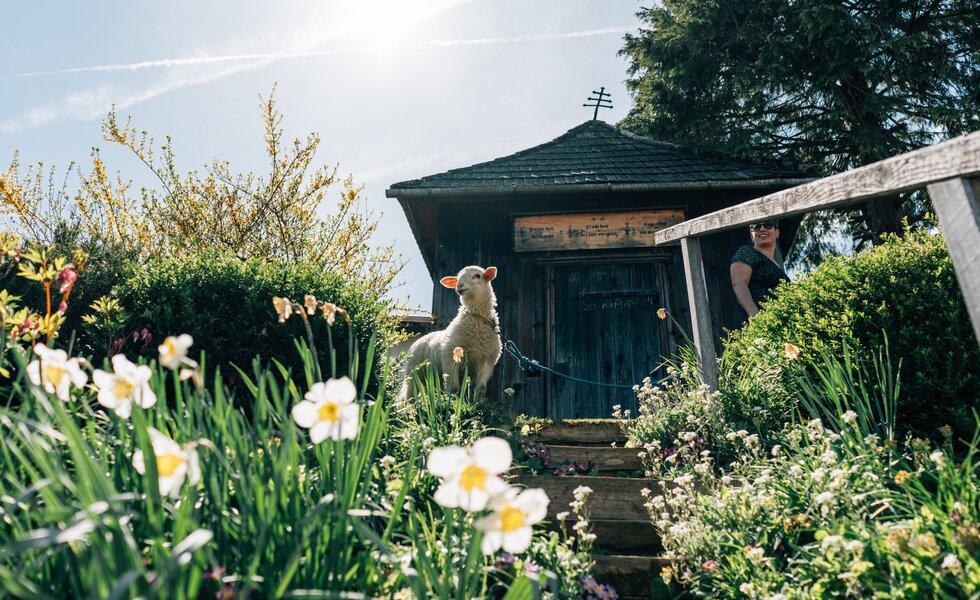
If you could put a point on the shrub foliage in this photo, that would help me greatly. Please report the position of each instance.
(904, 290)
(227, 305)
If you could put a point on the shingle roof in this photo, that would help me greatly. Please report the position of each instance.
(596, 155)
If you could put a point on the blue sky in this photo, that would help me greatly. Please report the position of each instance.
(397, 89)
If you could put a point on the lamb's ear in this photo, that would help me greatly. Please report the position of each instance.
(490, 273)
(449, 282)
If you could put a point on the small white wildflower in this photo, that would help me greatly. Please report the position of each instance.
(854, 546)
(849, 416)
(796, 470)
(937, 457)
(776, 449)
(687, 436)
(952, 564)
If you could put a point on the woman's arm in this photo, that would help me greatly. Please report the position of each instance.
(741, 273)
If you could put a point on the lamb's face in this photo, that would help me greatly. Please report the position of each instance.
(471, 282)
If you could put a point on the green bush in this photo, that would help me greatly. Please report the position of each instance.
(226, 305)
(106, 268)
(905, 290)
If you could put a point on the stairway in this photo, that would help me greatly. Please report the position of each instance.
(628, 549)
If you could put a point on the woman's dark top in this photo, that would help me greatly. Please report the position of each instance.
(766, 275)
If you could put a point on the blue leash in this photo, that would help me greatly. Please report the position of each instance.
(532, 367)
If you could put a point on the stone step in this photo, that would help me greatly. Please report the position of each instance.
(614, 498)
(615, 535)
(581, 431)
(631, 576)
(601, 458)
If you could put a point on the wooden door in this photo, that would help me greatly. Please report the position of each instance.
(604, 328)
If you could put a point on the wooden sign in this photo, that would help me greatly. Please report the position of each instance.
(588, 231)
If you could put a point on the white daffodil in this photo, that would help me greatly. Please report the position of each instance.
(128, 384)
(470, 476)
(55, 372)
(173, 350)
(329, 411)
(174, 463)
(509, 527)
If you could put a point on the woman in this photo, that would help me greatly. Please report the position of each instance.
(754, 270)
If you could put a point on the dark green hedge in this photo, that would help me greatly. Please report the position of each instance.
(226, 305)
(904, 289)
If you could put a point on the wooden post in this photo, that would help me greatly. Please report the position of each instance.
(956, 203)
(697, 295)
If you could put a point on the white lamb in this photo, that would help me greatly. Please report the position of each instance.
(474, 330)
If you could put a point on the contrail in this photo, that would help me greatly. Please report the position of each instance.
(211, 60)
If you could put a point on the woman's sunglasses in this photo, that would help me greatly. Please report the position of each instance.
(762, 225)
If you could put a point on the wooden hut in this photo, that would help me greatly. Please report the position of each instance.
(570, 226)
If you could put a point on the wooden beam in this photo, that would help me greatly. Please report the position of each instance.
(958, 157)
(697, 294)
(956, 204)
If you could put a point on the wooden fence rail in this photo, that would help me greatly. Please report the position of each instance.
(948, 170)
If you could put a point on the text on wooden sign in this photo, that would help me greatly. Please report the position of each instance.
(586, 231)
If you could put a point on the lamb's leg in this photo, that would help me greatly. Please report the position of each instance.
(481, 380)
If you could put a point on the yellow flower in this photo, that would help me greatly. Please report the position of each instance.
(457, 355)
(902, 476)
(792, 351)
(662, 313)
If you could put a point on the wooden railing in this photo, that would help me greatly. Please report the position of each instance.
(948, 170)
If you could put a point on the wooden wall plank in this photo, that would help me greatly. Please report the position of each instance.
(959, 157)
(697, 293)
(957, 203)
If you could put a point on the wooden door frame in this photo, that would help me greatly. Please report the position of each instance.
(577, 259)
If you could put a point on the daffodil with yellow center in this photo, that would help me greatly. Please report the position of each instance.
(175, 463)
(473, 477)
(328, 410)
(173, 350)
(511, 519)
(55, 372)
(509, 526)
(470, 476)
(126, 385)
(168, 464)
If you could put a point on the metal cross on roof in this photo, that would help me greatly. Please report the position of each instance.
(600, 101)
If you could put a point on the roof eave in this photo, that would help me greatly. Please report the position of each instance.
(437, 192)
